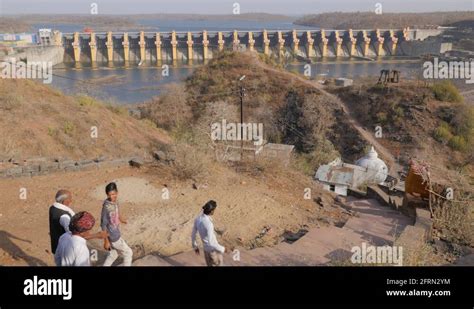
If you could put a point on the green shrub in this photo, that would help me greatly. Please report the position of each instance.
(53, 132)
(399, 111)
(119, 110)
(458, 143)
(463, 122)
(382, 117)
(446, 91)
(84, 100)
(68, 128)
(443, 133)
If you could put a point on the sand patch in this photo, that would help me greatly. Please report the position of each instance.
(132, 190)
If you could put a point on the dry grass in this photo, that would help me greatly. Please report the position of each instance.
(455, 222)
(36, 120)
(423, 255)
(189, 163)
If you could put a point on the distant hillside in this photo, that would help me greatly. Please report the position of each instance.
(370, 20)
(24, 23)
(13, 25)
(214, 17)
(18, 23)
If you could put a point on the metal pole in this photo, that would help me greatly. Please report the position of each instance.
(241, 122)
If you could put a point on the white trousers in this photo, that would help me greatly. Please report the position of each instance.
(119, 247)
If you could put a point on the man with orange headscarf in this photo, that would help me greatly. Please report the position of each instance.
(72, 247)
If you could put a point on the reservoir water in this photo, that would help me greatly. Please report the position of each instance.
(135, 84)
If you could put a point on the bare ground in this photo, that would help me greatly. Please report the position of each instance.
(247, 205)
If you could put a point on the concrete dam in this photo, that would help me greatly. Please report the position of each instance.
(146, 47)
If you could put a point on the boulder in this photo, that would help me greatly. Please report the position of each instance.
(159, 155)
(136, 162)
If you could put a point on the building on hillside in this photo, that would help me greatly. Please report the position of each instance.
(280, 152)
(338, 176)
(237, 151)
(343, 82)
(17, 39)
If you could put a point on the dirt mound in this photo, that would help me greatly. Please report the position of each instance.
(292, 109)
(36, 120)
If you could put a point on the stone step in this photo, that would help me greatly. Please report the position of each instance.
(188, 258)
(376, 232)
(371, 206)
(328, 244)
(374, 225)
(151, 260)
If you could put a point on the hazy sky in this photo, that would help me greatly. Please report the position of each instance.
(289, 7)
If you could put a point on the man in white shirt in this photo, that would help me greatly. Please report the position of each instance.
(72, 247)
(213, 251)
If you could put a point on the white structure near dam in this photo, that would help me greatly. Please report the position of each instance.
(338, 176)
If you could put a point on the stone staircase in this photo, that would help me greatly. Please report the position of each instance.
(372, 223)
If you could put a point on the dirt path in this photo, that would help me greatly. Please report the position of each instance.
(468, 96)
(246, 206)
(394, 167)
(372, 223)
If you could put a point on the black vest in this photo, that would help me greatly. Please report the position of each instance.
(55, 228)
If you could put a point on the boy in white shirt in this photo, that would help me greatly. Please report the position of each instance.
(213, 251)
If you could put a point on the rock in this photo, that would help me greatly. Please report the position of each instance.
(136, 162)
(460, 250)
(440, 246)
(194, 186)
(31, 169)
(89, 166)
(171, 156)
(320, 201)
(60, 159)
(71, 168)
(159, 155)
(48, 166)
(84, 162)
(100, 159)
(14, 171)
(113, 163)
(66, 164)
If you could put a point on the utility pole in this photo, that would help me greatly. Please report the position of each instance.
(242, 94)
